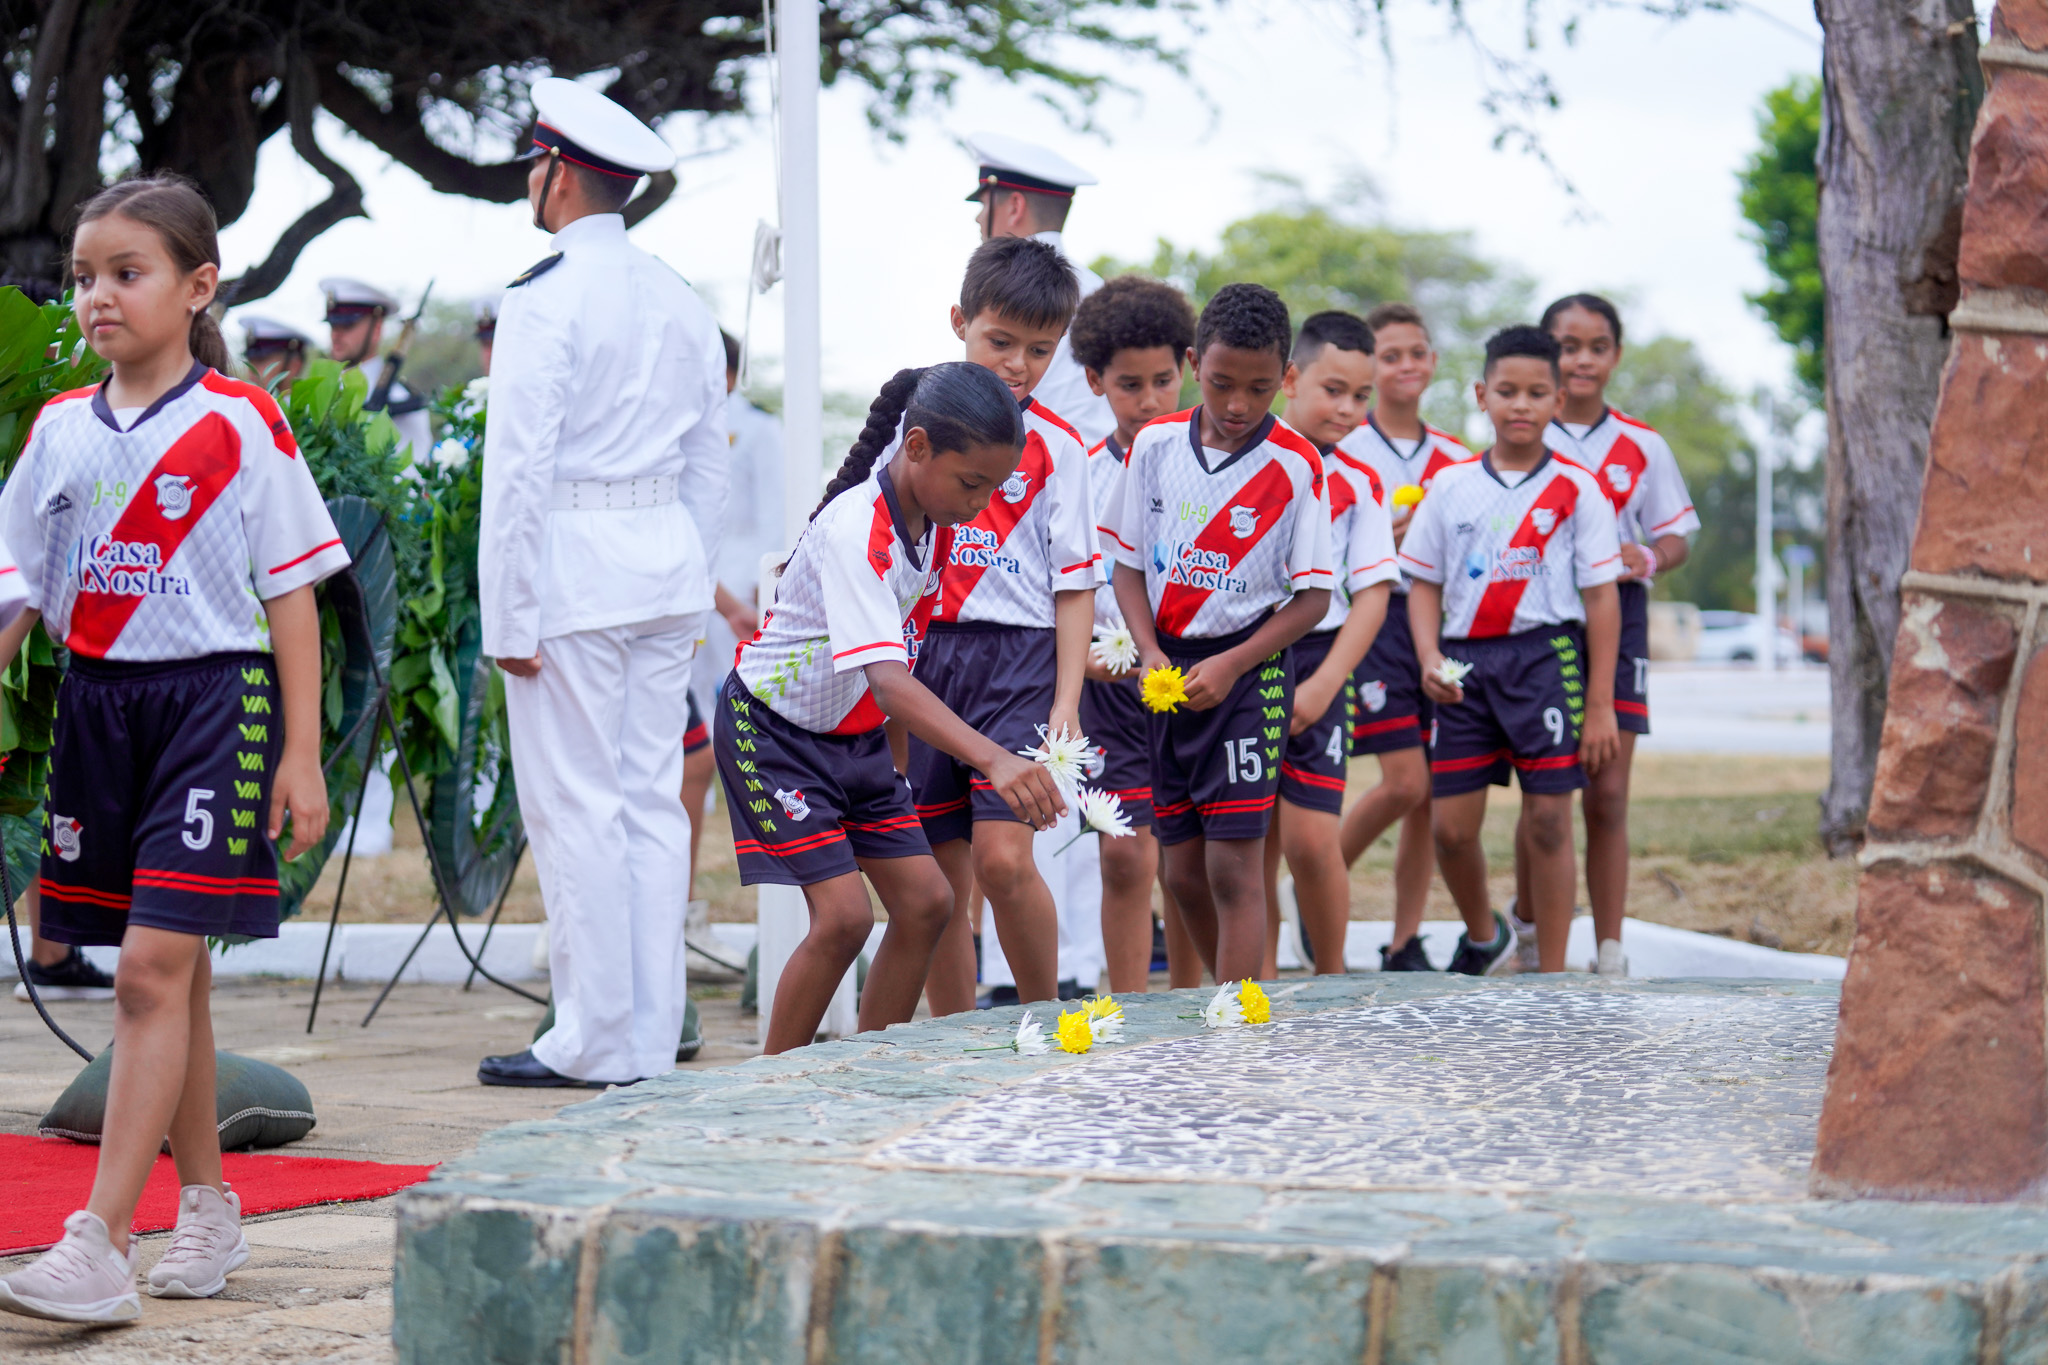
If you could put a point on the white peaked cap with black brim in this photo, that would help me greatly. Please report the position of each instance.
(353, 298)
(591, 130)
(1011, 163)
(271, 332)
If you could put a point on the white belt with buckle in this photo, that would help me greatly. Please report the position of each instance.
(613, 495)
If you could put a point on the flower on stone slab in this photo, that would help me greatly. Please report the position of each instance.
(1223, 1009)
(1030, 1039)
(1105, 1018)
(1114, 649)
(1257, 1008)
(1163, 689)
(1065, 756)
(1074, 1033)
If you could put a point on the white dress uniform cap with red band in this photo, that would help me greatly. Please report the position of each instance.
(1011, 163)
(349, 299)
(586, 128)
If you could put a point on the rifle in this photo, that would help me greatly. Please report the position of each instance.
(380, 397)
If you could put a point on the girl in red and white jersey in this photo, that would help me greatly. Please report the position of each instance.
(170, 537)
(814, 795)
(1640, 476)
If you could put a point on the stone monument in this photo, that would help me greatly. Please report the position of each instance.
(1939, 1084)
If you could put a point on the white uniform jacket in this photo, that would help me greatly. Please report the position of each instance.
(1064, 391)
(607, 367)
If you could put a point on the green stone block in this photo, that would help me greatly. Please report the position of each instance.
(2026, 1322)
(919, 1296)
(711, 1293)
(1126, 1302)
(1462, 1315)
(482, 1287)
(1713, 1317)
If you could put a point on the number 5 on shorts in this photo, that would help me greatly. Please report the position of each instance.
(197, 815)
(1242, 758)
(1553, 721)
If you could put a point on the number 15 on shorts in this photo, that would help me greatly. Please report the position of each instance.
(1243, 759)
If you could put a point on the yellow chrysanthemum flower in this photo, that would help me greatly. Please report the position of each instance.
(1101, 1006)
(1164, 688)
(1407, 495)
(1074, 1033)
(1258, 1009)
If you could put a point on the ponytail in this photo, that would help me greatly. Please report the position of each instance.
(173, 208)
(957, 405)
(209, 347)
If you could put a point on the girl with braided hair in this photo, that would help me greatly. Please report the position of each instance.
(815, 798)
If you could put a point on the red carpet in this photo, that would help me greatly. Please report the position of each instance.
(43, 1180)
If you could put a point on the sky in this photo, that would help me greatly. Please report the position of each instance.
(1656, 118)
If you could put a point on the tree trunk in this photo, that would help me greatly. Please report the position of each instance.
(1901, 87)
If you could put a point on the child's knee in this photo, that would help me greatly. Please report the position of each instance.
(1126, 868)
(1005, 867)
(1547, 825)
(927, 906)
(1453, 836)
(142, 986)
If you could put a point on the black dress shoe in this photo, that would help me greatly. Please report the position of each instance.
(525, 1069)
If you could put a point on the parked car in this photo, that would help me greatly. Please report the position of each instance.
(1736, 637)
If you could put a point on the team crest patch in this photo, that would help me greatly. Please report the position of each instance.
(66, 834)
(1374, 695)
(1017, 487)
(793, 803)
(1621, 476)
(1244, 522)
(173, 495)
(1096, 763)
(1544, 519)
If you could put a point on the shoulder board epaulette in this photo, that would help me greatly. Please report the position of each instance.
(535, 271)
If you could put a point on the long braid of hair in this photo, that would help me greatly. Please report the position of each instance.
(885, 414)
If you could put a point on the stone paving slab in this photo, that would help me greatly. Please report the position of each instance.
(892, 1197)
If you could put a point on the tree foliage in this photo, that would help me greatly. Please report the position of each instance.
(1780, 197)
(99, 87)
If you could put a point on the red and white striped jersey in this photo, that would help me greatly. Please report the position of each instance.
(163, 541)
(1036, 537)
(1400, 464)
(1361, 533)
(1105, 487)
(1223, 537)
(1512, 553)
(856, 591)
(1637, 472)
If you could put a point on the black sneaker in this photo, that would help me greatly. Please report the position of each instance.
(1493, 960)
(1409, 957)
(73, 978)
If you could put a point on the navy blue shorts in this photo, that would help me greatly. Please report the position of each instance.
(696, 734)
(805, 805)
(1000, 680)
(1216, 773)
(1525, 701)
(1632, 660)
(1392, 711)
(159, 794)
(1114, 719)
(1312, 768)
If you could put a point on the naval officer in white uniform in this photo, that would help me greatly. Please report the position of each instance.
(1025, 191)
(604, 487)
(355, 336)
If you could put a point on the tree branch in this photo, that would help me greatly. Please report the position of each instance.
(28, 184)
(403, 137)
(345, 202)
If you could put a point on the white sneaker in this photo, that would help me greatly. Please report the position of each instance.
(1612, 961)
(81, 1279)
(1526, 959)
(206, 1247)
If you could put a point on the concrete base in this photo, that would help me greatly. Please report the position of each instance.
(1619, 1175)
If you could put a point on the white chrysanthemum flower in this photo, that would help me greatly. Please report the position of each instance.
(1065, 756)
(451, 454)
(1030, 1040)
(477, 390)
(1105, 1019)
(1114, 648)
(1452, 671)
(1224, 1010)
(1103, 812)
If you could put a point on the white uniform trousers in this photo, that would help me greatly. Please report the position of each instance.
(597, 751)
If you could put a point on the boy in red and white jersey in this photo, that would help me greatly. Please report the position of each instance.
(1509, 556)
(1223, 561)
(1329, 388)
(1008, 642)
(1394, 719)
(1131, 338)
(1640, 476)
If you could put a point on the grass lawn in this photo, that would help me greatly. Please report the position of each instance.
(1725, 845)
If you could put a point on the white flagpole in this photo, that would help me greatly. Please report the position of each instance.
(782, 915)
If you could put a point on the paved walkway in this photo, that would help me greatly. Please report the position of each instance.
(318, 1285)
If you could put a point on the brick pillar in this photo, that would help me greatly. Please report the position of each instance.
(1939, 1084)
